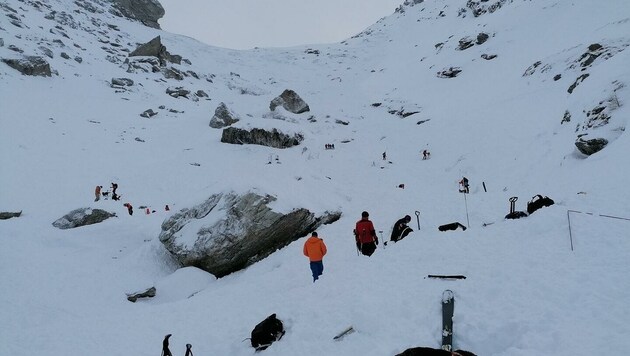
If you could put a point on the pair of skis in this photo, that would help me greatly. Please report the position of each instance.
(448, 308)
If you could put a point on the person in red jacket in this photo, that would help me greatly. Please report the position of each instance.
(365, 235)
(315, 249)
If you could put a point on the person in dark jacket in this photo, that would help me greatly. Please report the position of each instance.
(365, 235)
(315, 250)
(401, 229)
(165, 350)
(188, 350)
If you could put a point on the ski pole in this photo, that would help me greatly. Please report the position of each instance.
(418, 218)
(384, 242)
(466, 203)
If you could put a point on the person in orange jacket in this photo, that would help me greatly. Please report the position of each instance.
(315, 250)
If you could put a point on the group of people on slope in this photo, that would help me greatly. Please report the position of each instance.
(98, 193)
(365, 237)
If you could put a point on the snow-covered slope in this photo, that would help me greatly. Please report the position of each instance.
(531, 289)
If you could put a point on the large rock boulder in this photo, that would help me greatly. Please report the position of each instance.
(146, 11)
(588, 147)
(82, 217)
(290, 101)
(229, 232)
(223, 117)
(262, 137)
(155, 48)
(30, 65)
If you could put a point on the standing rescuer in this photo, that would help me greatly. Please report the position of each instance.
(365, 235)
(315, 250)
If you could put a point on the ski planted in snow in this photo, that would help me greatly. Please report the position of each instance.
(348, 330)
(448, 307)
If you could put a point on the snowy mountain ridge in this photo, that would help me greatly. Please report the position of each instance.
(497, 91)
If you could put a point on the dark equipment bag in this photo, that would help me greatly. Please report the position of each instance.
(266, 332)
(537, 202)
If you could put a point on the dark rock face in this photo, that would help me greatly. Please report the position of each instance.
(262, 137)
(234, 231)
(588, 147)
(31, 65)
(290, 101)
(146, 11)
(4, 215)
(223, 117)
(155, 48)
(81, 217)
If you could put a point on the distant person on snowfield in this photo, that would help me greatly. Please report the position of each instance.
(384, 156)
(315, 250)
(401, 229)
(129, 208)
(426, 154)
(97, 192)
(114, 187)
(465, 186)
(165, 350)
(365, 235)
(188, 350)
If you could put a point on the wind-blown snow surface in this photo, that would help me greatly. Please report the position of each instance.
(527, 291)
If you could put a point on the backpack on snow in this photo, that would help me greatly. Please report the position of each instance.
(266, 332)
(537, 202)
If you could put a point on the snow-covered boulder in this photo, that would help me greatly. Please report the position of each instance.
(290, 101)
(231, 231)
(81, 217)
(222, 117)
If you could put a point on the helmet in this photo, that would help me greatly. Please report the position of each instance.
(365, 214)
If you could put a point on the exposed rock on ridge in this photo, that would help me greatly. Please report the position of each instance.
(146, 11)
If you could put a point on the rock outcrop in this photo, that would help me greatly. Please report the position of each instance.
(149, 293)
(223, 117)
(274, 138)
(290, 101)
(229, 231)
(30, 65)
(588, 147)
(146, 11)
(4, 215)
(155, 48)
(81, 217)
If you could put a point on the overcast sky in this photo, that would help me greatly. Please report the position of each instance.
(244, 24)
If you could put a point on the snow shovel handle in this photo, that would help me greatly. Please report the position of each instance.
(418, 218)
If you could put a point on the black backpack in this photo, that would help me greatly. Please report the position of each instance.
(266, 332)
(537, 202)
